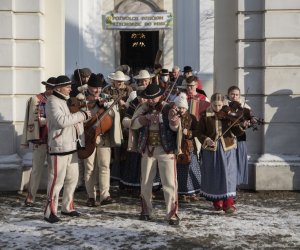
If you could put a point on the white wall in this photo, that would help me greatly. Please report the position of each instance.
(189, 43)
(87, 43)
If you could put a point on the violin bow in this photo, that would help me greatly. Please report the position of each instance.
(235, 122)
(171, 89)
(86, 105)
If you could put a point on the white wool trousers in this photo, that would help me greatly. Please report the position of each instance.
(167, 170)
(39, 155)
(97, 170)
(63, 173)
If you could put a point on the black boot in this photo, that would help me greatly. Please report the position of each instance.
(145, 217)
(91, 202)
(174, 220)
(52, 218)
(71, 214)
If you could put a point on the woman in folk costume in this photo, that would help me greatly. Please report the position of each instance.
(36, 132)
(218, 167)
(188, 169)
(234, 95)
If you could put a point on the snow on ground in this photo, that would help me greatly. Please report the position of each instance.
(262, 221)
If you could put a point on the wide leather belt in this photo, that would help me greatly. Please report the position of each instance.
(154, 138)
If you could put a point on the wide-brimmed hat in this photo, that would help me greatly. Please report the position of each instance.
(187, 69)
(50, 82)
(152, 91)
(119, 76)
(95, 81)
(62, 81)
(143, 74)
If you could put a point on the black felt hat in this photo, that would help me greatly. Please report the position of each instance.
(95, 81)
(152, 91)
(62, 81)
(164, 72)
(50, 82)
(187, 69)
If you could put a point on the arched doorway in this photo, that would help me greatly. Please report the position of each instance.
(138, 48)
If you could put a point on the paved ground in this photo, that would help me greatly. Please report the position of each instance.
(267, 220)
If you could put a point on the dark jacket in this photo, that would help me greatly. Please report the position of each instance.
(211, 127)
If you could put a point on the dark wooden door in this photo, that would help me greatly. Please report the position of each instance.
(138, 49)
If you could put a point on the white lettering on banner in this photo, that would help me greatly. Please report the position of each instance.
(151, 21)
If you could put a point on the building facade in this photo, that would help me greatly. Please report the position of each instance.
(252, 44)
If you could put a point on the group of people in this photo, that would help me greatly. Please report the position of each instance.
(158, 128)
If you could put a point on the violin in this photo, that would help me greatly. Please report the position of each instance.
(76, 104)
(235, 111)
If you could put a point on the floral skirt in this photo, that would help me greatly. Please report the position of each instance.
(189, 176)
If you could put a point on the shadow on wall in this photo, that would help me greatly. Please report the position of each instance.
(94, 50)
(282, 135)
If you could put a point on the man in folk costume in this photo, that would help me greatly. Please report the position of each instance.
(176, 76)
(143, 79)
(79, 79)
(35, 131)
(164, 78)
(158, 124)
(131, 170)
(197, 101)
(118, 88)
(65, 137)
(97, 165)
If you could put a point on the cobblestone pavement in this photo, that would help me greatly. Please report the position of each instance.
(264, 220)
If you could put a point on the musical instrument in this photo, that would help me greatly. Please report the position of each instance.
(185, 158)
(170, 89)
(97, 125)
(76, 104)
(235, 111)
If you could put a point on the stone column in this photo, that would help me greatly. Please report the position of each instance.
(250, 70)
(31, 30)
(186, 34)
(257, 48)
(278, 168)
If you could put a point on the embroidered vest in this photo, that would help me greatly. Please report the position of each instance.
(167, 136)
